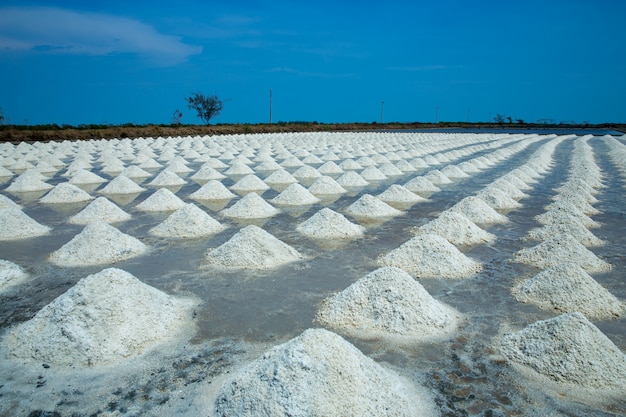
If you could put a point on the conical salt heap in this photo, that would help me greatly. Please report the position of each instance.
(421, 185)
(206, 173)
(372, 174)
(187, 222)
(295, 195)
(437, 177)
(252, 206)
(397, 194)
(368, 207)
(122, 185)
(65, 193)
(570, 226)
(167, 178)
(280, 177)
(161, 200)
(101, 209)
(212, 190)
(388, 302)
(248, 184)
(457, 229)
(98, 244)
(560, 249)
(351, 179)
(251, 248)
(135, 172)
(306, 173)
(29, 181)
(498, 199)
(563, 212)
(568, 349)
(430, 256)
(478, 211)
(82, 176)
(329, 225)
(568, 288)
(326, 186)
(6, 202)
(11, 274)
(319, 374)
(104, 318)
(15, 225)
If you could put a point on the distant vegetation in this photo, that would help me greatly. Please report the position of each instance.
(206, 107)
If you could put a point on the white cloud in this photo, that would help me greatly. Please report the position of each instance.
(61, 31)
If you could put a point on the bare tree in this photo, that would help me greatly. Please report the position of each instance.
(499, 118)
(206, 107)
(176, 117)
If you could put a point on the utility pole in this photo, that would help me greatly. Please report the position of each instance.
(270, 106)
(382, 110)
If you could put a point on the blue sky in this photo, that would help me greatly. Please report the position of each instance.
(75, 62)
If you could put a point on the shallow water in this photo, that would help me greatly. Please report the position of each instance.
(243, 313)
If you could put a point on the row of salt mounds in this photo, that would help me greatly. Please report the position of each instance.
(16, 225)
(252, 206)
(388, 302)
(187, 222)
(319, 374)
(430, 256)
(11, 274)
(568, 349)
(568, 288)
(478, 211)
(105, 317)
(65, 193)
(97, 244)
(161, 200)
(251, 248)
(101, 209)
(457, 229)
(327, 224)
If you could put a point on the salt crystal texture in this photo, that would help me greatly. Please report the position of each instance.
(295, 195)
(369, 206)
(187, 222)
(319, 374)
(212, 190)
(478, 211)
(101, 209)
(457, 229)
(252, 206)
(167, 178)
(122, 185)
(161, 200)
(330, 225)
(65, 193)
(104, 318)
(15, 225)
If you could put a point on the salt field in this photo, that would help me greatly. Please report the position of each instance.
(358, 273)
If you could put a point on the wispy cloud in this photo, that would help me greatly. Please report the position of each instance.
(62, 31)
(418, 68)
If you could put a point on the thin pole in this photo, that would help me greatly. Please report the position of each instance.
(270, 106)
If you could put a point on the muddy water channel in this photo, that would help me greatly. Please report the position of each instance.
(243, 313)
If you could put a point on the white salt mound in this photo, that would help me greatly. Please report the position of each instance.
(478, 211)
(388, 302)
(352, 179)
(568, 349)
(28, 181)
(430, 256)
(326, 186)
(571, 226)
(421, 185)
(6, 202)
(105, 317)
(369, 206)
(212, 190)
(122, 185)
(167, 178)
(15, 225)
(319, 374)
(251, 248)
(295, 195)
(399, 194)
(457, 229)
(99, 243)
(328, 224)
(252, 206)
(568, 288)
(498, 199)
(250, 183)
(161, 200)
(101, 209)
(65, 193)
(560, 249)
(563, 212)
(280, 177)
(11, 274)
(187, 222)
(83, 176)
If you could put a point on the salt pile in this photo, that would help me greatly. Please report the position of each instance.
(167, 178)
(373, 174)
(560, 249)
(437, 177)
(135, 172)
(330, 168)
(319, 374)
(399, 195)
(280, 177)
(368, 207)
(568, 288)
(453, 171)
(457, 229)
(563, 212)
(238, 170)
(250, 183)
(212, 190)
(101, 209)
(252, 206)
(572, 227)
(187, 222)
(161, 200)
(15, 225)
(98, 244)
(430, 256)
(6, 202)
(65, 193)
(421, 185)
(251, 248)
(28, 181)
(206, 173)
(568, 349)
(352, 180)
(122, 185)
(330, 225)
(388, 302)
(498, 199)
(105, 317)
(326, 186)
(11, 274)
(295, 195)
(478, 211)
(85, 177)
